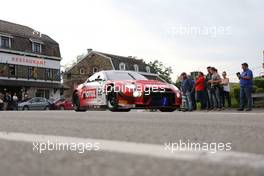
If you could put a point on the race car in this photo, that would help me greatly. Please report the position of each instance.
(125, 90)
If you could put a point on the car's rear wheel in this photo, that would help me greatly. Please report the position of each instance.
(62, 108)
(167, 109)
(47, 108)
(76, 104)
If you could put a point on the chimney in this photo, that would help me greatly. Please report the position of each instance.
(89, 50)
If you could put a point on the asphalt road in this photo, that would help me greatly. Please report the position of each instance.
(132, 143)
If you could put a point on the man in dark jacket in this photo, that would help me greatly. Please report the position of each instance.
(187, 88)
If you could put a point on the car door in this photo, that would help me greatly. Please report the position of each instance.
(93, 89)
(42, 104)
(33, 104)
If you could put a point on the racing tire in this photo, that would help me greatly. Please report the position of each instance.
(61, 108)
(167, 109)
(112, 102)
(47, 108)
(76, 104)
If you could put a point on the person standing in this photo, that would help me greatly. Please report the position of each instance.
(187, 87)
(226, 90)
(215, 89)
(200, 90)
(15, 102)
(246, 85)
(1, 102)
(208, 94)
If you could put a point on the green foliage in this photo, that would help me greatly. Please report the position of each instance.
(236, 91)
(258, 82)
(163, 71)
(260, 90)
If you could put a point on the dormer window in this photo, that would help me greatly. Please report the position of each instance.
(148, 69)
(122, 66)
(82, 71)
(136, 67)
(36, 46)
(5, 42)
(95, 69)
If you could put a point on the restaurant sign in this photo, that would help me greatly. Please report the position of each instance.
(29, 61)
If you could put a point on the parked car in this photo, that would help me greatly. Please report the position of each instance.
(61, 104)
(37, 103)
(125, 90)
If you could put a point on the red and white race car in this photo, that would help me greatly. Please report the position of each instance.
(123, 91)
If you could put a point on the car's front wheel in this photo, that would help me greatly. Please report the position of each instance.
(76, 103)
(112, 101)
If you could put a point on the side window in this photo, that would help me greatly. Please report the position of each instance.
(92, 78)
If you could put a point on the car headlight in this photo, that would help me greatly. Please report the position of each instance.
(137, 94)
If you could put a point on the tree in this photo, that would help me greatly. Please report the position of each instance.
(158, 68)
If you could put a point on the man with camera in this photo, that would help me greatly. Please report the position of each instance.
(246, 85)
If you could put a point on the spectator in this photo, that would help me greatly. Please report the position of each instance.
(193, 93)
(1, 102)
(246, 85)
(7, 101)
(226, 90)
(200, 90)
(209, 100)
(187, 87)
(215, 89)
(15, 102)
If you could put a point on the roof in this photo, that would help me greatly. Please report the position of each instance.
(23, 31)
(116, 60)
(128, 61)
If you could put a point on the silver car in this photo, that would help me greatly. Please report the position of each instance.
(37, 103)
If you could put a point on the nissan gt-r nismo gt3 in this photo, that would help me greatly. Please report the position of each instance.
(125, 90)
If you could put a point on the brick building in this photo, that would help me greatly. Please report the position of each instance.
(29, 62)
(95, 61)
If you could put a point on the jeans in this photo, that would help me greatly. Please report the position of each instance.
(209, 99)
(245, 96)
(188, 103)
(201, 97)
(226, 96)
(215, 92)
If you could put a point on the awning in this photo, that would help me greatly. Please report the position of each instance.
(19, 83)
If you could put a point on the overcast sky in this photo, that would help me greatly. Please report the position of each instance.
(186, 35)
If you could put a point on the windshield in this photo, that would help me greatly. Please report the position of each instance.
(124, 76)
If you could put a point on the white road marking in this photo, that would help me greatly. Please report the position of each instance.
(151, 150)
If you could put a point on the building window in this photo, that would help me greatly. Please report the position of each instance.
(136, 67)
(36, 47)
(48, 74)
(95, 69)
(82, 71)
(12, 70)
(32, 73)
(122, 66)
(148, 69)
(5, 42)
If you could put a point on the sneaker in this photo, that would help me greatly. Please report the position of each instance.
(249, 109)
(240, 109)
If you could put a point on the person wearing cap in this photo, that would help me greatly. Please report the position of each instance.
(246, 85)
(226, 90)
